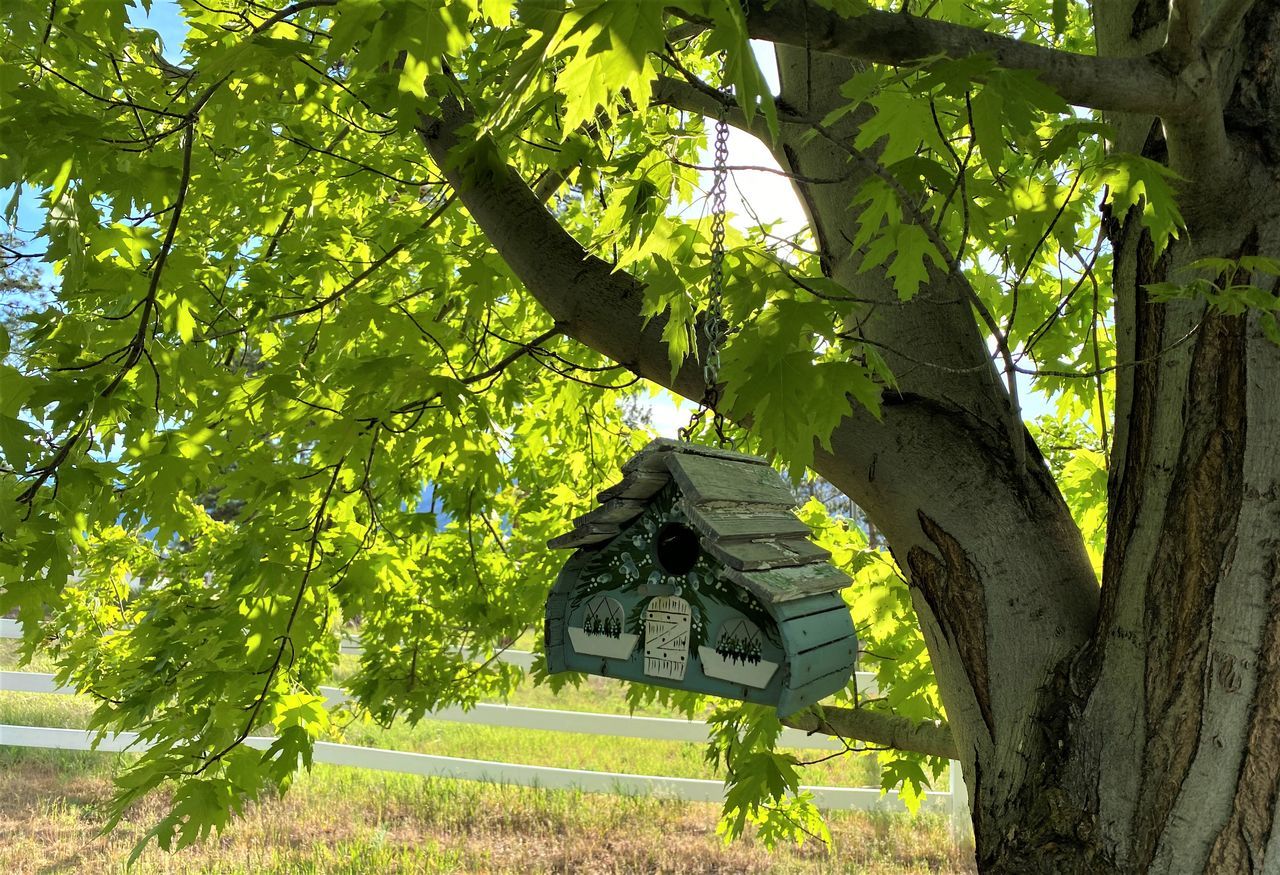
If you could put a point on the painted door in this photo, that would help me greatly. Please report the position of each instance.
(666, 637)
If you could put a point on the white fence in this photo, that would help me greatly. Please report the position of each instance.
(952, 802)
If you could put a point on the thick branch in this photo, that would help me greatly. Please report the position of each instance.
(1115, 84)
(1223, 24)
(872, 727)
(592, 302)
(1179, 48)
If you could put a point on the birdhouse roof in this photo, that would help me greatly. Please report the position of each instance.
(739, 505)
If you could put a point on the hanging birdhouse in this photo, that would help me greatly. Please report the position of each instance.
(695, 573)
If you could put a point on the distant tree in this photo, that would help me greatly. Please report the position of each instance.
(22, 288)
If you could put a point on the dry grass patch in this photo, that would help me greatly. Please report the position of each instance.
(348, 821)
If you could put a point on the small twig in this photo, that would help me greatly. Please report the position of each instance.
(373, 266)
(796, 177)
(290, 11)
(313, 547)
(48, 31)
(1035, 251)
(1097, 365)
(1089, 375)
(1043, 328)
(492, 371)
(139, 343)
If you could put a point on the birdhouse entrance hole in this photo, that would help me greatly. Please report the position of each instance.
(676, 548)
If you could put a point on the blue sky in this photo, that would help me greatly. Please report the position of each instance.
(164, 18)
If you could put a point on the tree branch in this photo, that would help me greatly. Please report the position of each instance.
(1116, 84)
(1040, 584)
(585, 295)
(1222, 25)
(862, 724)
(1179, 48)
(679, 94)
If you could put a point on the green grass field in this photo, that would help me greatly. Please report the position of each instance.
(346, 820)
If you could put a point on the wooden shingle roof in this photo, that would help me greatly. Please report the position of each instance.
(739, 505)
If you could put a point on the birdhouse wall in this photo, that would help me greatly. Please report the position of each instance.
(619, 609)
(695, 631)
(822, 647)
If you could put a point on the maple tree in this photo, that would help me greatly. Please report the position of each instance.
(340, 252)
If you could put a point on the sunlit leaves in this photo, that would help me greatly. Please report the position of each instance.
(1134, 181)
(326, 410)
(324, 349)
(794, 393)
(1230, 286)
(740, 72)
(763, 785)
(906, 251)
(1219, 281)
(1083, 482)
(891, 645)
(607, 47)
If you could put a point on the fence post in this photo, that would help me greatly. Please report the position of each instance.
(961, 822)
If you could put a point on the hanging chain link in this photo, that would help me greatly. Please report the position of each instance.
(714, 326)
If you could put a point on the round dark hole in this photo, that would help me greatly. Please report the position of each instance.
(676, 548)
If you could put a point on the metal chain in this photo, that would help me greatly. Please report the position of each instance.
(714, 326)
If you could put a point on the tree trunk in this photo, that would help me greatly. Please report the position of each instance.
(1132, 726)
(1164, 730)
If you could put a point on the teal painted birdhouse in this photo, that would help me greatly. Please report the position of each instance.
(695, 573)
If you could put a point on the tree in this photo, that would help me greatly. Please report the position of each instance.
(444, 232)
(21, 288)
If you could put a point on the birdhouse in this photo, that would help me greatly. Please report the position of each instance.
(695, 573)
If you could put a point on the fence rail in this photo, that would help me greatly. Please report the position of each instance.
(431, 765)
(584, 722)
(952, 802)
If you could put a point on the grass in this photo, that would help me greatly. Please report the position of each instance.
(532, 747)
(350, 821)
(345, 820)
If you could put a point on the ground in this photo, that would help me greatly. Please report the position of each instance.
(340, 820)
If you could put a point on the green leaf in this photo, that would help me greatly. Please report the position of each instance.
(413, 76)
(1060, 8)
(988, 128)
(608, 46)
(1137, 182)
(796, 397)
(1270, 327)
(58, 187)
(906, 248)
(185, 321)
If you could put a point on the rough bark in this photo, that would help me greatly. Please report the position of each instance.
(1169, 762)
